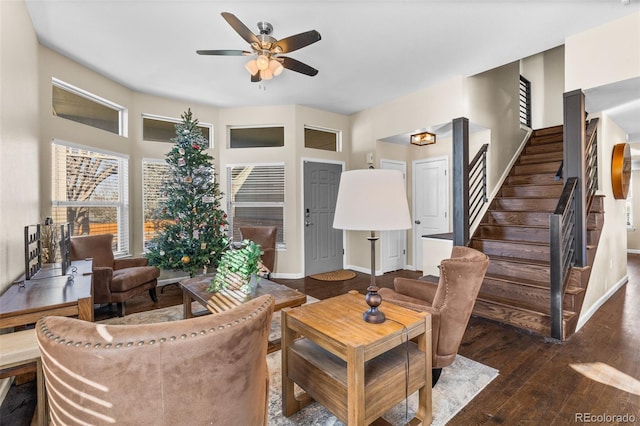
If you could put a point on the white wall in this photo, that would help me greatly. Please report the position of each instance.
(610, 263)
(545, 71)
(597, 57)
(19, 151)
(603, 55)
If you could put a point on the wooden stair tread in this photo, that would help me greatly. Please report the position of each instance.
(520, 281)
(520, 260)
(513, 225)
(522, 306)
(533, 243)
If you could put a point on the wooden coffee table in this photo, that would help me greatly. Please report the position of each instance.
(195, 289)
(355, 369)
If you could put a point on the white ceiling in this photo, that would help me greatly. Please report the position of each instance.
(370, 52)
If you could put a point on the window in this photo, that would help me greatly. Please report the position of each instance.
(83, 107)
(153, 173)
(525, 101)
(90, 192)
(163, 129)
(328, 140)
(256, 137)
(255, 193)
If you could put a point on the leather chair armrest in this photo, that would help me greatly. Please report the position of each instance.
(102, 276)
(423, 290)
(130, 262)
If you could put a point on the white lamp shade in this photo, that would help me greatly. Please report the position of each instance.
(275, 67)
(262, 61)
(252, 67)
(372, 200)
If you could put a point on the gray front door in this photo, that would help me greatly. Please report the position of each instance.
(323, 250)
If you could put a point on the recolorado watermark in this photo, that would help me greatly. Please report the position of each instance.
(604, 418)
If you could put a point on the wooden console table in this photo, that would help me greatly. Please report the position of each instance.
(355, 369)
(49, 293)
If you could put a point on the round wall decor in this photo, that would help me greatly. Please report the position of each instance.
(621, 170)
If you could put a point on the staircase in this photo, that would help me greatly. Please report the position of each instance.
(514, 233)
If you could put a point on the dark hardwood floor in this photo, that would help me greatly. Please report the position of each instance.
(536, 384)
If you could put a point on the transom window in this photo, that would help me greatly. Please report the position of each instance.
(255, 194)
(90, 192)
(317, 138)
(75, 104)
(256, 137)
(163, 129)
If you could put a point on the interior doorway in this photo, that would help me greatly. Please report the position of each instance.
(430, 202)
(323, 245)
(393, 244)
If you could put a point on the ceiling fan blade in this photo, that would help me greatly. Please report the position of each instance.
(256, 78)
(224, 52)
(297, 66)
(298, 41)
(240, 28)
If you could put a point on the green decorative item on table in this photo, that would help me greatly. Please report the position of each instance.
(236, 268)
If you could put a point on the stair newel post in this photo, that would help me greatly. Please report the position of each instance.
(460, 181)
(556, 278)
(575, 166)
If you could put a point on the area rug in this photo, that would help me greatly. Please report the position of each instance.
(341, 275)
(458, 385)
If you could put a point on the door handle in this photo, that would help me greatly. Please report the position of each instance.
(307, 223)
(417, 222)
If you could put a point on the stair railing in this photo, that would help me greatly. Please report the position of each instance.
(478, 183)
(591, 161)
(562, 246)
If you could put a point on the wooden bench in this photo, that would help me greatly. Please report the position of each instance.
(20, 354)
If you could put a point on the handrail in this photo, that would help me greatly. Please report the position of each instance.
(477, 183)
(562, 247)
(591, 161)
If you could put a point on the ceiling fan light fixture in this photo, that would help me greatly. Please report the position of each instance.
(262, 62)
(275, 67)
(266, 74)
(252, 67)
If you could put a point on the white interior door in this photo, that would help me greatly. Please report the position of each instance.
(393, 244)
(430, 202)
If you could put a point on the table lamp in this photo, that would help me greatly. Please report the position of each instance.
(372, 200)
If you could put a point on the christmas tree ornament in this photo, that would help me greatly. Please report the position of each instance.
(188, 179)
(181, 151)
(181, 162)
(186, 259)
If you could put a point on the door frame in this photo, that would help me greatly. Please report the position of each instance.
(384, 240)
(414, 203)
(301, 205)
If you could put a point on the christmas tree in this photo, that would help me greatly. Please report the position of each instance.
(193, 234)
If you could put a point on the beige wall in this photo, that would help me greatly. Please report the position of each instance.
(19, 150)
(494, 102)
(290, 261)
(633, 235)
(603, 55)
(545, 71)
(600, 56)
(610, 263)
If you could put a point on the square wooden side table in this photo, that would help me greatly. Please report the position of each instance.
(355, 369)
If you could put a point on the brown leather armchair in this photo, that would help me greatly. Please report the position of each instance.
(114, 280)
(450, 301)
(210, 369)
(265, 237)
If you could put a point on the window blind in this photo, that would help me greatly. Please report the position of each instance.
(256, 197)
(90, 192)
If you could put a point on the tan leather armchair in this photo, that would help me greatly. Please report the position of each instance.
(114, 280)
(265, 237)
(210, 369)
(450, 301)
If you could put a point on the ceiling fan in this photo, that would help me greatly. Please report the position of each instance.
(268, 62)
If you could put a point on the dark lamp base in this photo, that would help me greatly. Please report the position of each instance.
(373, 316)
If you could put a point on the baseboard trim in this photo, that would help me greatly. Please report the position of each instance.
(594, 308)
